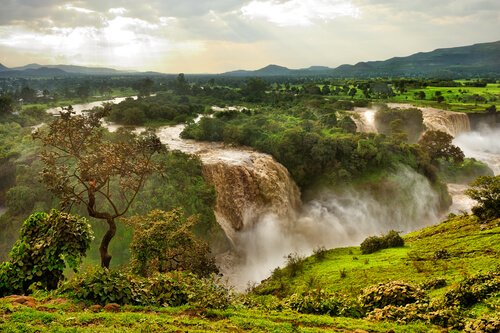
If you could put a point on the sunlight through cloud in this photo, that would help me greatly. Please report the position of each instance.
(299, 12)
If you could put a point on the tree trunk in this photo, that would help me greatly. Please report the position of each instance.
(103, 249)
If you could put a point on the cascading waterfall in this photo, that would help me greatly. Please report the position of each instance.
(364, 118)
(449, 122)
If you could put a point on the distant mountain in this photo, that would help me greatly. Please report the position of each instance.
(76, 69)
(34, 72)
(3, 68)
(270, 70)
(478, 59)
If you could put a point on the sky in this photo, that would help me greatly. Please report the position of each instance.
(196, 36)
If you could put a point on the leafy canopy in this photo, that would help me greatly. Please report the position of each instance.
(163, 242)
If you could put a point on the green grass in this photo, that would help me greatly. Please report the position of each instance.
(74, 317)
(451, 95)
(471, 251)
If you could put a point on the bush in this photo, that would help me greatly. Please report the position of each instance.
(374, 243)
(320, 302)
(436, 283)
(486, 191)
(418, 312)
(48, 243)
(484, 325)
(163, 242)
(395, 293)
(102, 286)
(393, 239)
(473, 290)
(294, 264)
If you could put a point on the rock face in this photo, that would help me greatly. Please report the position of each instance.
(248, 183)
(449, 122)
(248, 189)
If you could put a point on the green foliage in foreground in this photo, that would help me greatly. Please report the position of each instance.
(399, 289)
(101, 286)
(48, 243)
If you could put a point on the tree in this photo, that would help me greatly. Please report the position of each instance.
(145, 87)
(254, 89)
(486, 191)
(438, 145)
(6, 105)
(163, 242)
(181, 84)
(103, 175)
(47, 244)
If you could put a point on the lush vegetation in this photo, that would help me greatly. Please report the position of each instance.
(444, 276)
(415, 288)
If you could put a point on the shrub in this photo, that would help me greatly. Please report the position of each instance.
(484, 325)
(418, 312)
(374, 243)
(294, 264)
(486, 191)
(48, 243)
(102, 286)
(163, 242)
(320, 252)
(436, 283)
(396, 293)
(473, 289)
(393, 239)
(318, 301)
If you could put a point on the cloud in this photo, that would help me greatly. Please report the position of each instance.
(298, 12)
(118, 10)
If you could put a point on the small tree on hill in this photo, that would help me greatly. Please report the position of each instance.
(103, 175)
(163, 242)
(486, 191)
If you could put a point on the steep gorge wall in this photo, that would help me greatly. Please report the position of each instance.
(247, 190)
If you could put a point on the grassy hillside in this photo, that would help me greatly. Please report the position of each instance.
(452, 251)
(471, 248)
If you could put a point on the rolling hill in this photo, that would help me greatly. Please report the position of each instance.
(466, 61)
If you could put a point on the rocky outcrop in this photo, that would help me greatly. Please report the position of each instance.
(249, 189)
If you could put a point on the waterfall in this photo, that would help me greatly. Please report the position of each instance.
(364, 118)
(449, 122)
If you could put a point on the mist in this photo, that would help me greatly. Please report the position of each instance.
(331, 219)
(483, 145)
